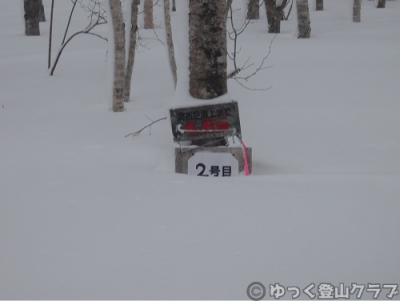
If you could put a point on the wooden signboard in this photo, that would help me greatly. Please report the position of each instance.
(205, 122)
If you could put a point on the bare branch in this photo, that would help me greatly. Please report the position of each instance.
(233, 35)
(252, 89)
(134, 134)
(228, 6)
(234, 74)
(69, 20)
(97, 35)
(97, 17)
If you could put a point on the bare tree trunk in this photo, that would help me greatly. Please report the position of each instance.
(303, 19)
(119, 55)
(132, 50)
(148, 14)
(207, 53)
(208, 48)
(253, 10)
(381, 4)
(173, 5)
(32, 13)
(319, 4)
(42, 15)
(170, 42)
(357, 11)
(274, 16)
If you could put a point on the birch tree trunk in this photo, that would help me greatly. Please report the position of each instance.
(253, 10)
(170, 42)
(32, 12)
(207, 48)
(319, 5)
(357, 11)
(381, 4)
(132, 49)
(303, 19)
(274, 16)
(119, 55)
(148, 14)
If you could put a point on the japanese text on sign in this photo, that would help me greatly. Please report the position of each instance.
(207, 164)
(210, 121)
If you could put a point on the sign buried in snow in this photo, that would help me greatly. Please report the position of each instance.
(205, 122)
(213, 164)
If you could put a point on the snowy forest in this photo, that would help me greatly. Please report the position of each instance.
(92, 204)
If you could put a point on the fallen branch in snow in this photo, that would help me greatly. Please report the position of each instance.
(134, 134)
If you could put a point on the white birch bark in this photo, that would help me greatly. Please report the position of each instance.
(303, 19)
(132, 49)
(119, 55)
(170, 41)
(207, 48)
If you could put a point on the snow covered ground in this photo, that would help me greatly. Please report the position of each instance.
(86, 213)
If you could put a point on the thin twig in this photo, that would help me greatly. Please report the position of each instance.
(134, 134)
(97, 17)
(246, 65)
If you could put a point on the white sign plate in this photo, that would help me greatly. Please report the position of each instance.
(207, 164)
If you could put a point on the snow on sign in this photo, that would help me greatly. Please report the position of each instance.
(208, 121)
(207, 164)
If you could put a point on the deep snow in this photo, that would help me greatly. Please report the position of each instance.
(86, 213)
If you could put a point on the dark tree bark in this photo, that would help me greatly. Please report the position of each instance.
(253, 10)
(274, 16)
(357, 11)
(173, 5)
(208, 48)
(32, 12)
(42, 15)
(50, 34)
(381, 4)
(319, 5)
